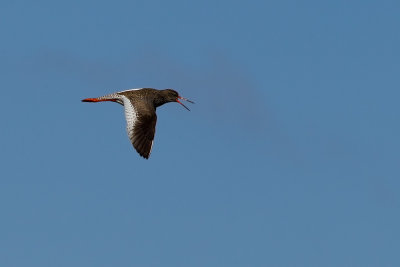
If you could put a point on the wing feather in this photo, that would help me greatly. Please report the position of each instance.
(141, 125)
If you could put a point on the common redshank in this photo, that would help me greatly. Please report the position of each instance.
(140, 113)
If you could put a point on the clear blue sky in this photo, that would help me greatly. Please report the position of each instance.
(290, 156)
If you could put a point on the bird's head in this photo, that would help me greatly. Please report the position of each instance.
(171, 95)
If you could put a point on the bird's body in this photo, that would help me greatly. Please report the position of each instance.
(140, 113)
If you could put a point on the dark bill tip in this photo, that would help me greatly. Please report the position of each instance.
(190, 101)
(182, 104)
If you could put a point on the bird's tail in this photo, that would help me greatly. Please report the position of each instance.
(111, 97)
(96, 100)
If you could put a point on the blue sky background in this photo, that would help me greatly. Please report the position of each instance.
(290, 156)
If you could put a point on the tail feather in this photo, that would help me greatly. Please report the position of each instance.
(96, 100)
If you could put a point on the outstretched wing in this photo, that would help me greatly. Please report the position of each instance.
(141, 126)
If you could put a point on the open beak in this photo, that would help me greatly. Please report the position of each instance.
(179, 97)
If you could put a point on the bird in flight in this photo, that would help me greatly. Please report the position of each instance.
(140, 113)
